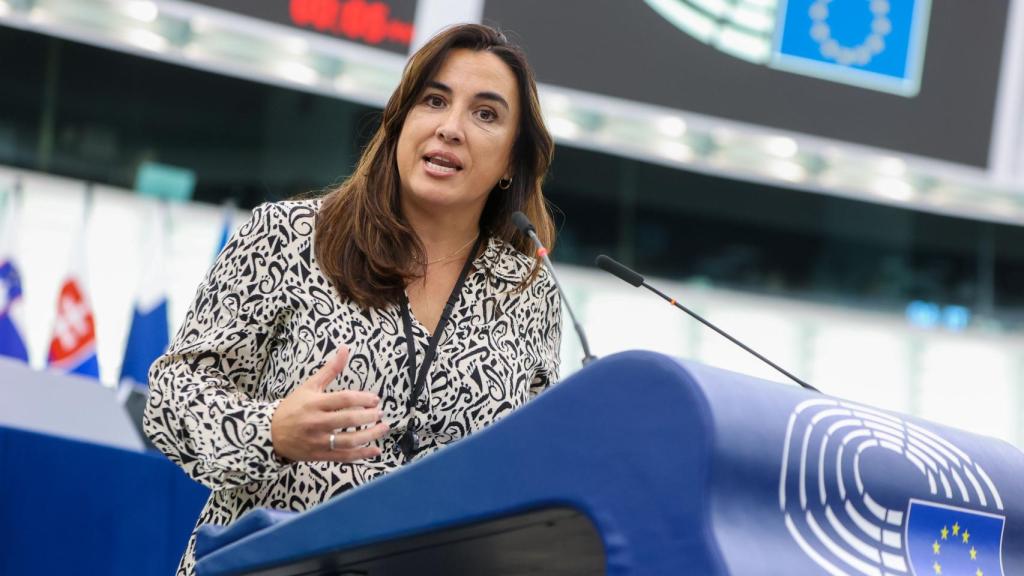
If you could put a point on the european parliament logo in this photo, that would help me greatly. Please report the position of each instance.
(846, 473)
(875, 44)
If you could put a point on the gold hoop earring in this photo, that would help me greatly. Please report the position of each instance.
(505, 183)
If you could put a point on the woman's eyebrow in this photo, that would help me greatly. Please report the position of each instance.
(492, 96)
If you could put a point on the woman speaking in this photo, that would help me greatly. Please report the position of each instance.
(337, 338)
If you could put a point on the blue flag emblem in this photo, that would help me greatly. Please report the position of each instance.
(945, 539)
(876, 44)
(147, 338)
(11, 341)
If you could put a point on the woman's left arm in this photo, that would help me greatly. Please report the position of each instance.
(202, 412)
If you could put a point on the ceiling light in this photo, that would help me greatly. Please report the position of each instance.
(675, 151)
(146, 39)
(562, 127)
(296, 72)
(894, 189)
(295, 46)
(786, 170)
(671, 126)
(141, 10)
(892, 166)
(781, 146)
(555, 102)
(201, 25)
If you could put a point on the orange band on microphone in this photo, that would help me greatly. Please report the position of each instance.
(542, 252)
(672, 301)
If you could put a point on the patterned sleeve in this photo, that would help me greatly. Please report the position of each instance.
(550, 328)
(202, 412)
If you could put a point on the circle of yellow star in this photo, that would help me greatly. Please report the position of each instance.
(974, 553)
(936, 546)
(967, 536)
(937, 567)
(945, 532)
(979, 573)
(956, 529)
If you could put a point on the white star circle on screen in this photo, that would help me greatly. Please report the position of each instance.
(860, 54)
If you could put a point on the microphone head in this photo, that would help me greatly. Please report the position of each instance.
(523, 223)
(623, 272)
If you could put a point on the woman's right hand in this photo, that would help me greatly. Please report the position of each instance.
(302, 425)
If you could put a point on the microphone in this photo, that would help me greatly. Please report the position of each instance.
(631, 277)
(526, 227)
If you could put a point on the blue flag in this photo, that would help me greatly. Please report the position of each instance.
(148, 336)
(147, 340)
(227, 228)
(11, 342)
(878, 45)
(945, 539)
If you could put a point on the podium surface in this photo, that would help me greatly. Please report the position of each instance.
(65, 405)
(644, 464)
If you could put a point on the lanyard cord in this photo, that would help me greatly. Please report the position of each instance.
(408, 442)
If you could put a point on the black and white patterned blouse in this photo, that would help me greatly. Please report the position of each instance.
(266, 318)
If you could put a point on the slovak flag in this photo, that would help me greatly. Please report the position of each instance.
(73, 346)
(149, 334)
(11, 341)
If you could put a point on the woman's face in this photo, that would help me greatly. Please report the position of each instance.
(457, 139)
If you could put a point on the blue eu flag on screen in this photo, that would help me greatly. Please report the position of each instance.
(877, 44)
(945, 540)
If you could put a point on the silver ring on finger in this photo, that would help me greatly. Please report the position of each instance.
(330, 439)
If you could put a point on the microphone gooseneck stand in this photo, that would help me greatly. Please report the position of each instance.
(526, 227)
(630, 276)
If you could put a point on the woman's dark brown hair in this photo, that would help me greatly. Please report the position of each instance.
(363, 243)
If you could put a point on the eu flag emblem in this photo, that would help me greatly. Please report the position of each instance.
(945, 539)
(878, 44)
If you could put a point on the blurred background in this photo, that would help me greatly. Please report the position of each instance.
(837, 183)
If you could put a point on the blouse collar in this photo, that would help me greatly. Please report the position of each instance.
(500, 259)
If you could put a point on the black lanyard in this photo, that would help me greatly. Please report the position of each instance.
(408, 442)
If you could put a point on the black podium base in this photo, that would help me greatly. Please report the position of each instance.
(550, 542)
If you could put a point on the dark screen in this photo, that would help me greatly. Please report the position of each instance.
(383, 24)
(626, 50)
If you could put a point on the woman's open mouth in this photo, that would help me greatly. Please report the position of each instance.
(441, 164)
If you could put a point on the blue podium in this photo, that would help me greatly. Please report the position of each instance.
(644, 464)
(74, 507)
